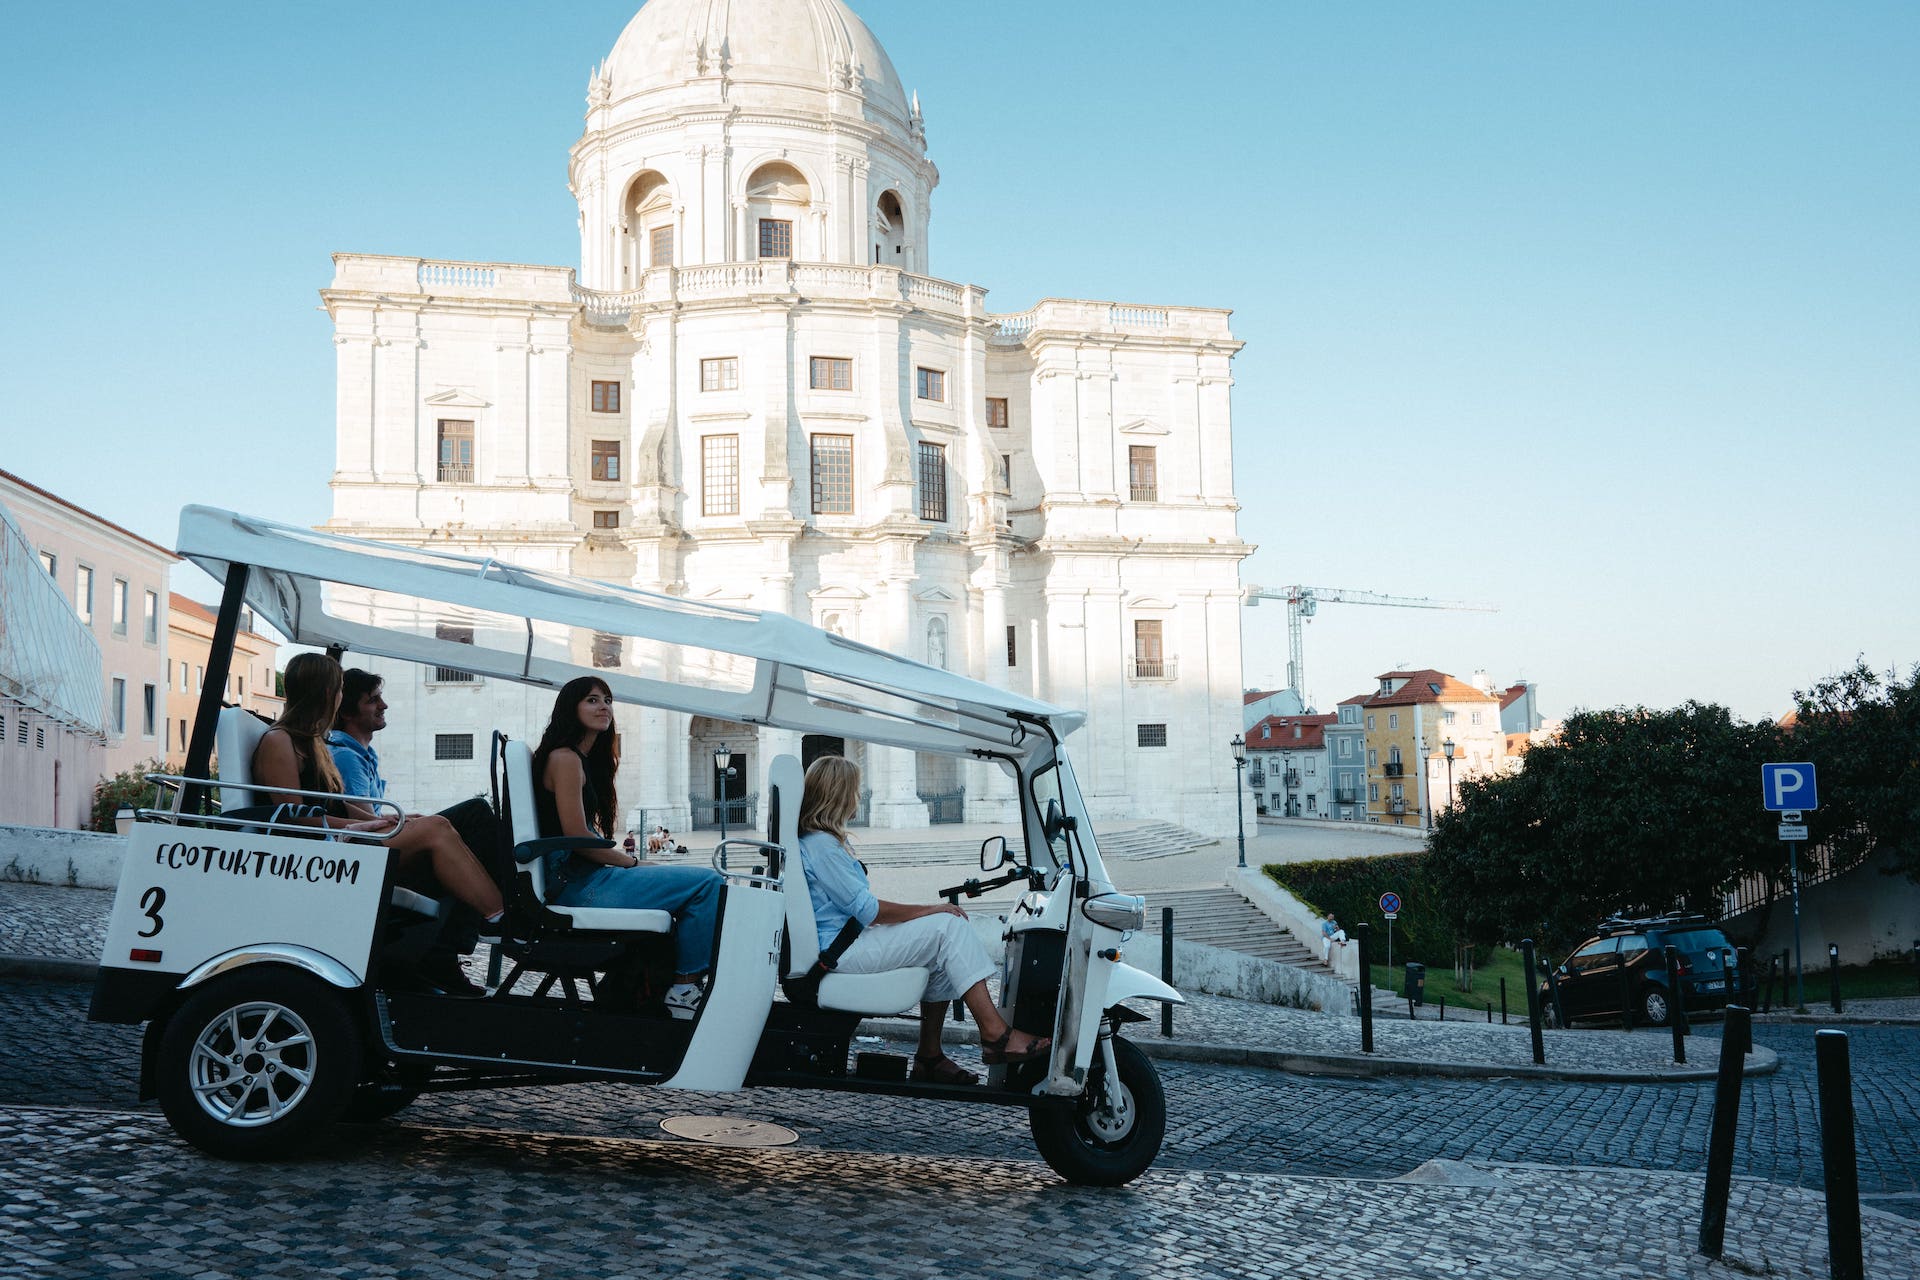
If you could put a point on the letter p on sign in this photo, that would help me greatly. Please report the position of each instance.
(1789, 786)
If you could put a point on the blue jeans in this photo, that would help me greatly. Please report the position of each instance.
(692, 894)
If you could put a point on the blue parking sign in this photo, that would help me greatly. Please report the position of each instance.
(1789, 786)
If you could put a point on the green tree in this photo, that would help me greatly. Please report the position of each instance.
(1628, 810)
(1861, 730)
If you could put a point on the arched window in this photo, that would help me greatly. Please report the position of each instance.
(778, 199)
(648, 216)
(889, 231)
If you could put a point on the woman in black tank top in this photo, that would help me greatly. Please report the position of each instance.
(575, 795)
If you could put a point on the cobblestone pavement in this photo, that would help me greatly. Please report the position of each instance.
(49, 921)
(98, 1193)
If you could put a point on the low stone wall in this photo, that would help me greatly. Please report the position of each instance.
(54, 855)
(1294, 916)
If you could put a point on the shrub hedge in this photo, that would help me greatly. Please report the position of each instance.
(1351, 889)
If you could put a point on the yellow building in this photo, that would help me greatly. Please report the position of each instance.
(250, 681)
(1409, 723)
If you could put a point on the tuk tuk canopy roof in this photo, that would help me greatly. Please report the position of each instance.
(794, 676)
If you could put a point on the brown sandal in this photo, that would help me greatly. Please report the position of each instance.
(994, 1052)
(941, 1070)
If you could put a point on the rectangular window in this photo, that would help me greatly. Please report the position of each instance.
(1446, 717)
(1476, 717)
(720, 475)
(830, 373)
(452, 634)
(1150, 735)
(149, 705)
(456, 452)
(996, 411)
(1393, 719)
(1149, 658)
(150, 618)
(83, 593)
(776, 238)
(183, 734)
(1373, 791)
(832, 475)
(660, 247)
(199, 679)
(1006, 473)
(933, 481)
(1373, 757)
(606, 397)
(606, 519)
(606, 460)
(453, 746)
(722, 373)
(119, 705)
(930, 384)
(120, 590)
(1369, 720)
(606, 650)
(51, 563)
(1143, 473)
(1013, 647)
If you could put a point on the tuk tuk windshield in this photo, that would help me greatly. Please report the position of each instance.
(1068, 838)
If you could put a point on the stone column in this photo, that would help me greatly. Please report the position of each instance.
(896, 797)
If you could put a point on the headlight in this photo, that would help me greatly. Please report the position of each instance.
(1120, 911)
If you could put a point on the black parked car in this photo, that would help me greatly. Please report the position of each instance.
(1626, 960)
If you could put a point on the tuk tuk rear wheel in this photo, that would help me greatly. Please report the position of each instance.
(1108, 1137)
(258, 1064)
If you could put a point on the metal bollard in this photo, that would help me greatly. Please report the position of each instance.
(1726, 1121)
(1838, 1156)
(1833, 975)
(1489, 1013)
(1363, 938)
(1503, 1000)
(1443, 1008)
(1677, 1013)
(1166, 968)
(1743, 959)
(1533, 1003)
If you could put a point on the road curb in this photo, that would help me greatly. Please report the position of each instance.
(1762, 1061)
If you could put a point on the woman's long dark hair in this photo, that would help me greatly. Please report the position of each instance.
(565, 730)
(313, 692)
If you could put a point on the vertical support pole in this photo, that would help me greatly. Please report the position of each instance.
(1503, 1002)
(1726, 1120)
(1838, 1156)
(1166, 968)
(1743, 960)
(1443, 1008)
(1533, 1003)
(1678, 1016)
(1363, 938)
(1799, 953)
(1833, 975)
(206, 716)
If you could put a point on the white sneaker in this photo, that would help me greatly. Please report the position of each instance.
(684, 1000)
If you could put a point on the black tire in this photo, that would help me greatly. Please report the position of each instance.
(1095, 1150)
(1655, 1006)
(275, 1088)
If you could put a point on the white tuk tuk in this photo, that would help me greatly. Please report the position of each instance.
(255, 950)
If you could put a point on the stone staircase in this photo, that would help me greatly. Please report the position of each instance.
(1131, 843)
(1220, 917)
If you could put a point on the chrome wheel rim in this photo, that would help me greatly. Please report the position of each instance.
(1111, 1117)
(252, 1064)
(1656, 1007)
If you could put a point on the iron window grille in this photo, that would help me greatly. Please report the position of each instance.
(453, 746)
(776, 238)
(1150, 735)
(720, 476)
(933, 482)
(453, 634)
(832, 474)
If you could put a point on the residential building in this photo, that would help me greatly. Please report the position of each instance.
(755, 393)
(1289, 771)
(1346, 740)
(250, 676)
(116, 583)
(1519, 708)
(53, 732)
(1408, 721)
(1257, 704)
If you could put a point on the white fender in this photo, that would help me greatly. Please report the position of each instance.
(1129, 983)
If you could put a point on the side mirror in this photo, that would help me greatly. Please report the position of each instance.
(993, 853)
(1054, 822)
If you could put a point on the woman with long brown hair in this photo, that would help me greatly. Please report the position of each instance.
(899, 935)
(426, 851)
(573, 770)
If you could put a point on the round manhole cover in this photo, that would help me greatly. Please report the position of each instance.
(723, 1131)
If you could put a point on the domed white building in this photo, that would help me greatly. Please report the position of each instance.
(755, 391)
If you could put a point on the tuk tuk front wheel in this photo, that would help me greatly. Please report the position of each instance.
(1113, 1131)
(258, 1064)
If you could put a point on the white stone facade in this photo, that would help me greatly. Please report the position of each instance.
(664, 419)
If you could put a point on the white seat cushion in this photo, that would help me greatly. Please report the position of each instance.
(895, 991)
(621, 919)
(519, 769)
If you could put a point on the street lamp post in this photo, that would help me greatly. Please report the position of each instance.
(1239, 745)
(723, 770)
(1446, 749)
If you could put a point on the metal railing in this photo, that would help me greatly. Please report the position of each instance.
(1394, 769)
(1152, 668)
(1396, 806)
(742, 811)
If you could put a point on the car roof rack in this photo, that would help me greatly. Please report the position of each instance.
(1633, 924)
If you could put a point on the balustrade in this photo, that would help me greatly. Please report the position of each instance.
(1137, 317)
(457, 275)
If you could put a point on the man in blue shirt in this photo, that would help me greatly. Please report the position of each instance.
(363, 713)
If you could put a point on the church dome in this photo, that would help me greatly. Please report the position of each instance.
(816, 44)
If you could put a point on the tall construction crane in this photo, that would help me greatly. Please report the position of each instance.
(1304, 602)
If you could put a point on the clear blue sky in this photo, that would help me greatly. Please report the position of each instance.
(1609, 314)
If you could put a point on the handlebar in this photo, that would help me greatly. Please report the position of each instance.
(974, 887)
